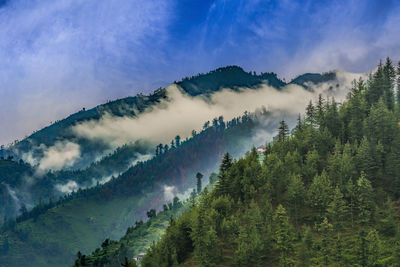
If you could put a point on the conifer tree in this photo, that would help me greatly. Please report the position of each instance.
(226, 164)
(374, 248)
(338, 255)
(306, 248)
(251, 245)
(325, 229)
(320, 110)
(362, 248)
(398, 83)
(295, 195)
(388, 83)
(364, 201)
(198, 177)
(337, 210)
(283, 237)
(320, 193)
(283, 131)
(310, 114)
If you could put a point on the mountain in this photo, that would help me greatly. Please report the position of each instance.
(228, 77)
(91, 162)
(91, 215)
(22, 186)
(325, 195)
(135, 181)
(232, 77)
(308, 79)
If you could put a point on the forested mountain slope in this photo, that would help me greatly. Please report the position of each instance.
(62, 160)
(23, 186)
(326, 195)
(52, 234)
(232, 77)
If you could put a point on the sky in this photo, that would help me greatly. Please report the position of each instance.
(57, 57)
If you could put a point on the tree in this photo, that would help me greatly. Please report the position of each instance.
(337, 210)
(305, 248)
(295, 195)
(320, 193)
(283, 131)
(177, 140)
(338, 255)
(366, 161)
(198, 177)
(251, 245)
(128, 263)
(151, 213)
(213, 178)
(226, 164)
(310, 114)
(325, 229)
(283, 238)
(320, 110)
(350, 195)
(364, 200)
(204, 236)
(398, 83)
(374, 248)
(362, 248)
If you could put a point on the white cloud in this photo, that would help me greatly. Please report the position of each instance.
(62, 154)
(68, 187)
(181, 113)
(169, 193)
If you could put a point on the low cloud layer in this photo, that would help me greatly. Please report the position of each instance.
(181, 113)
(60, 56)
(62, 155)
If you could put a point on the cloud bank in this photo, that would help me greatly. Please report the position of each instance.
(60, 56)
(62, 155)
(181, 113)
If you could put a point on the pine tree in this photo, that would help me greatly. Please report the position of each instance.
(310, 114)
(320, 193)
(364, 201)
(295, 195)
(223, 186)
(128, 263)
(198, 177)
(350, 194)
(374, 248)
(283, 236)
(366, 161)
(338, 255)
(362, 248)
(251, 245)
(388, 83)
(337, 210)
(396, 247)
(283, 131)
(306, 248)
(325, 229)
(320, 110)
(398, 83)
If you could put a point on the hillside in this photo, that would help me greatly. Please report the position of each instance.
(136, 240)
(232, 77)
(104, 211)
(23, 186)
(89, 216)
(326, 195)
(62, 161)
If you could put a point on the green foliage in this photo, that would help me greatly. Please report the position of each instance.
(335, 175)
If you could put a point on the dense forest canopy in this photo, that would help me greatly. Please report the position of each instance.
(326, 195)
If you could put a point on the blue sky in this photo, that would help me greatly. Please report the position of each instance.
(59, 56)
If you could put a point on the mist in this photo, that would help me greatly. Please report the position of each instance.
(180, 113)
